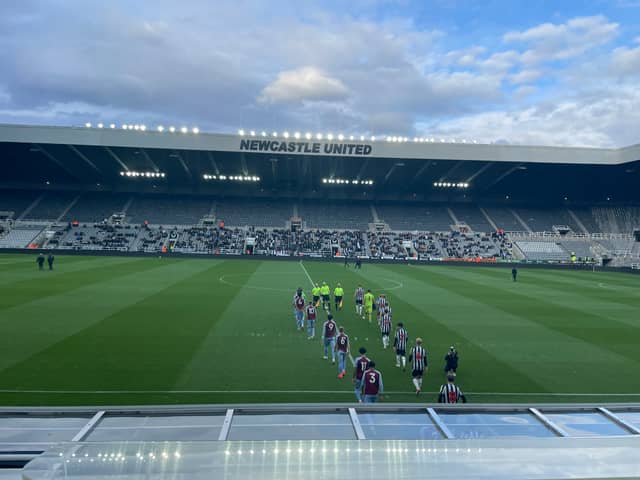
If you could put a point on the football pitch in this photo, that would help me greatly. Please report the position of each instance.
(122, 330)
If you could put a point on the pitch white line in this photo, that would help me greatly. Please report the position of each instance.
(302, 392)
(307, 274)
(353, 362)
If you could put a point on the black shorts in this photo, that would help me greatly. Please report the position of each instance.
(402, 353)
(417, 373)
(315, 299)
(325, 298)
(358, 301)
(385, 331)
(338, 299)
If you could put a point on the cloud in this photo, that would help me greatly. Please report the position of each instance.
(549, 41)
(626, 61)
(525, 76)
(304, 84)
(594, 119)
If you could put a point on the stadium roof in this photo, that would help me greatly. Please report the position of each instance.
(409, 149)
(251, 164)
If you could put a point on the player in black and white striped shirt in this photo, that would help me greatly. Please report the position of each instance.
(400, 344)
(418, 358)
(450, 392)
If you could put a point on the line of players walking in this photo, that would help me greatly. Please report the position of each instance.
(368, 385)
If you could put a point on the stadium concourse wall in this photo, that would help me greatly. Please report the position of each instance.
(455, 262)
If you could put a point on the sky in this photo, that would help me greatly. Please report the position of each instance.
(536, 72)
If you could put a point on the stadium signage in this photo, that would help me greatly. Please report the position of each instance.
(277, 146)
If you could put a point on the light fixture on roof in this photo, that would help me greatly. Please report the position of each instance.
(350, 137)
(143, 127)
(263, 133)
(373, 138)
(172, 129)
(160, 128)
(100, 125)
(184, 129)
(340, 137)
(252, 133)
(274, 134)
(195, 130)
(296, 135)
(285, 134)
(329, 136)
(319, 136)
(88, 124)
(113, 125)
(241, 132)
(362, 138)
(307, 136)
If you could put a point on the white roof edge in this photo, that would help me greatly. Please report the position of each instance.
(379, 149)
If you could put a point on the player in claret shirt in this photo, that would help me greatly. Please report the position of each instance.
(372, 387)
(298, 308)
(329, 329)
(385, 327)
(311, 321)
(361, 365)
(342, 347)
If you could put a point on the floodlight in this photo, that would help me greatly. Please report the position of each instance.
(124, 126)
(274, 134)
(362, 138)
(350, 137)
(264, 134)
(100, 125)
(340, 137)
(329, 136)
(324, 180)
(172, 129)
(241, 132)
(184, 130)
(195, 130)
(285, 134)
(373, 138)
(296, 135)
(252, 133)
(88, 125)
(319, 136)
(113, 125)
(160, 128)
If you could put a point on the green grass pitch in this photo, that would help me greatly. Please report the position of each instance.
(114, 330)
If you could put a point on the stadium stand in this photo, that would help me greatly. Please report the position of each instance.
(504, 219)
(95, 207)
(543, 251)
(20, 236)
(581, 248)
(427, 218)
(255, 213)
(98, 237)
(585, 215)
(473, 217)
(164, 210)
(328, 215)
(17, 201)
(51, 206)
(543, 220)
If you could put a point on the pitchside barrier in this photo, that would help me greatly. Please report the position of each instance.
(320, 441)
